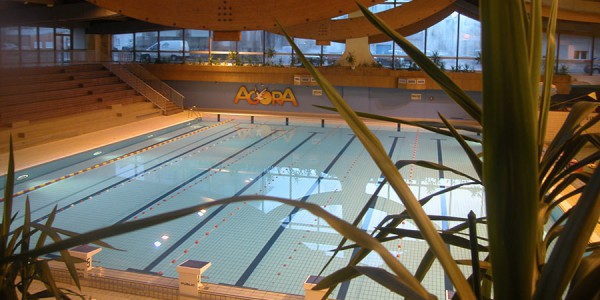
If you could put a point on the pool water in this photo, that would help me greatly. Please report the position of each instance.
(259, 244)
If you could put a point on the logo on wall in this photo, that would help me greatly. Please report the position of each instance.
(265, 97)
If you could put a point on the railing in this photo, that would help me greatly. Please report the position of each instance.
(195, 112)
(139, 85)
(156, 83)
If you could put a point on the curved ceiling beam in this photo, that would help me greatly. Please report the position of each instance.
(408, 15)
(417, 26)
(231, 15)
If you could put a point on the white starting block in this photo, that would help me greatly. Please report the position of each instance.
(190, 273)
(85, 252)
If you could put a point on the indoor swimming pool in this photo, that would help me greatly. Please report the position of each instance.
(261, 244)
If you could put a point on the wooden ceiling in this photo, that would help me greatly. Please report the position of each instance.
(310, 19)
(230, 15)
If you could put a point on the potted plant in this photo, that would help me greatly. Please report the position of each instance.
(351, 60)
(522, 184)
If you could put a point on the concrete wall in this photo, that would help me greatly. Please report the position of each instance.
(384, 101)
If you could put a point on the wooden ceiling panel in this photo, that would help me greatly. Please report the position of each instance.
(412, 15)
(224, 15)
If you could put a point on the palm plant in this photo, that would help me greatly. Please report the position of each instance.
(17, 275)
(522, 185)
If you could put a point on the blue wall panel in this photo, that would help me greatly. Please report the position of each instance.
(383, 101)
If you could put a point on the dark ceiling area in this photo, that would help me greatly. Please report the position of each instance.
(70, 13)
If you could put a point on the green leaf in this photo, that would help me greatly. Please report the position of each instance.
(357, 220)
(424, 265)
(96, 242)
(455, 92)
(510, 147)
(578, 113)
(434, 166)
(585, 282)
(66, 257)
(427, 125)
(337, 224)
(549, 64)
(447, 237)
(333, 279)
(570, 246)
(377, 152)
(475, 161)
(391, 282)
(48, 280)
(7, 203)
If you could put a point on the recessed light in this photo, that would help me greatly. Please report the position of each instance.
(23, 177)
(157, 243)
(165, 237)
(97, 153)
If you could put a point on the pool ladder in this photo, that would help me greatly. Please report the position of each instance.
(194, 112)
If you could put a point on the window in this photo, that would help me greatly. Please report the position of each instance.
(250, 47)
(442, 41)
(198, 42)
(573, 53)
(469, 43)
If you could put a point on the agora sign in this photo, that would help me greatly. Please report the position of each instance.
(265, 97)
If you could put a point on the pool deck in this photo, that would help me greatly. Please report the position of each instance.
(32, 156)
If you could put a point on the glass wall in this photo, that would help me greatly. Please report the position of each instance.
(574, 53)
(593, 67)
(454, 44)
(469, 44)
(27, 45)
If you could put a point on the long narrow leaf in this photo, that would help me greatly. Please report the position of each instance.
(377, 152)
(571, 244)
(66, 257)
(357, 220)
(424, 265)
(7, 203)
(577, 114)
(425, 200)
(433, 166)
(548, 67)
(456, 93)
(48, 280)
(448, 238)
(510, 176)
(585, 282)
(391, 282)
(475, 161)
(333, 279)
(42, 239)
(337, 224)
(427, 125)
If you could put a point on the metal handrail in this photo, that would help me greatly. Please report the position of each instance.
(138, 85)
(156, 83)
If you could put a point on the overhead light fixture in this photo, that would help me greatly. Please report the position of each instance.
(97, 153)
(23, 177)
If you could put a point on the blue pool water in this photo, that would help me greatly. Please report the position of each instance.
(261, 244)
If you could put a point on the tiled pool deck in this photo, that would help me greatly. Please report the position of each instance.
(101, 283)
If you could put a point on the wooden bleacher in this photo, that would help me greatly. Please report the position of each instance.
(44, 104)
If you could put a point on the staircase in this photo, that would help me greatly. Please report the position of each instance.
(43, 104)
